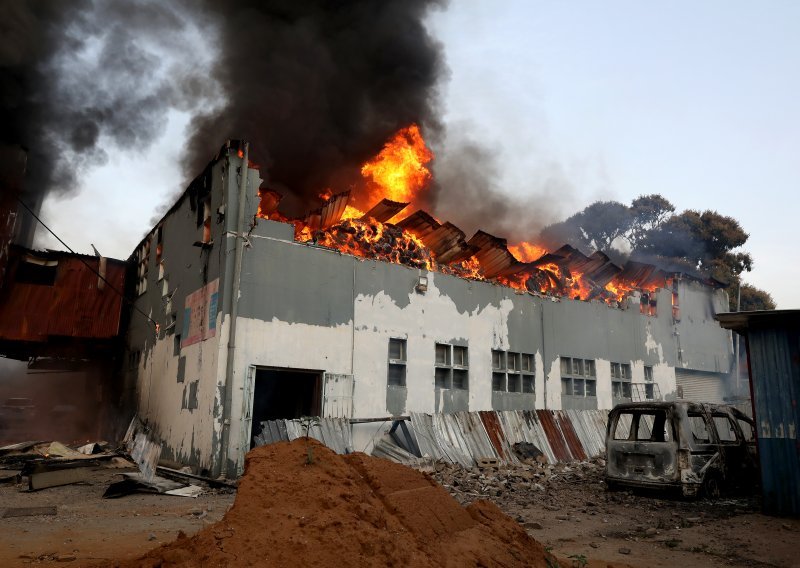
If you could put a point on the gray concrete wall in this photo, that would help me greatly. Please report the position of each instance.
(177, 386)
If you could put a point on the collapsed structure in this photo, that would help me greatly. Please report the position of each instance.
(345, 315)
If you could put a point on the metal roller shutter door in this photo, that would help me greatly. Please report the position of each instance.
(699, 386)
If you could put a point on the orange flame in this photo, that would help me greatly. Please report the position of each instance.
(399, 171)
(527, 252)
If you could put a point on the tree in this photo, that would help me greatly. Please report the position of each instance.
(648, 213)
(752, 299)
(594, 228)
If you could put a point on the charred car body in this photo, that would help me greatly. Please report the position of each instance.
(696, 448)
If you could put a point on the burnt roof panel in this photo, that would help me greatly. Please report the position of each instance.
(333, 209)
(419, 223)
(384, 210)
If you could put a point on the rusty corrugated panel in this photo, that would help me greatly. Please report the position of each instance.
(444, 238)
(419, 223)
(495, 432)
(493, 254)
(475, 435)
(385, 210)
(636, 273)
(333, 209)
(460, 252)
(524, 426)
(554, 436)
(73, 306)
(573, 443)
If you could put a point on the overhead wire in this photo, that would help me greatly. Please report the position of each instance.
(89, 266)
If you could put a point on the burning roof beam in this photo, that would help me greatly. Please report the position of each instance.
(420, 224)
(493, 255)
(384, 210)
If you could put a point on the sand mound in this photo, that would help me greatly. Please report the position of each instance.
(351, 510)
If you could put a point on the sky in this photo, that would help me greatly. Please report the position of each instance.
(697, 101)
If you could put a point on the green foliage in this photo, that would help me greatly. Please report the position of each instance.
(752, 299)
(708, 243)
(578, 560)
(306, 422)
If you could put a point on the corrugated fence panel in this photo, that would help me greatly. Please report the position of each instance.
(554, 436)
(475, 434)
(775, 367)
(573, 443)
(491, 422)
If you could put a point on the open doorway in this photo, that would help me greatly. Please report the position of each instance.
(284, 394)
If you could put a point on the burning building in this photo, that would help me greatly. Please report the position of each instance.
(368, 307)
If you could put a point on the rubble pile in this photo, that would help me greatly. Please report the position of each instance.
(300, 504)
(518, 484)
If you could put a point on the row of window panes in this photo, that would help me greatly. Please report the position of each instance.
(451, 367)
(512, 372)
(578, 377)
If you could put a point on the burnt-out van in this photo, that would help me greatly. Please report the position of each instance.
(695, 448)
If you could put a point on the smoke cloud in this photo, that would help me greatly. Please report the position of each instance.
(317, 87)
(81, 78)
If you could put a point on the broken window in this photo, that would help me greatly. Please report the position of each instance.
(397, 362)
(699, 429)
(32, 270)
(142, 264)
(644, 426)
(747, 430)
(621, 380)
(512, 372)
(451, 369)
(578, 377)
(725, 428)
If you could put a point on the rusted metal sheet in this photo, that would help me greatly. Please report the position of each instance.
(333, 209)
(444, 238)
(385, 210)
(420, 224)
(492, 254)
(573, 443)
(554, 436)
(475, 435)
(74, 305)
(496, 435)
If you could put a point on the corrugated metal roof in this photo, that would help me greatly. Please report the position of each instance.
(333, 209)
(419, 223)
(74, 306)
(385, 210)
(492, 254)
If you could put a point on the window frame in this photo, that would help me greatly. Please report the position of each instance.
(516, 372)
(587, 379)
(445, 373)
(621, 381)
(399, 365)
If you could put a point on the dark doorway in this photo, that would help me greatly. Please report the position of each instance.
(284, 395)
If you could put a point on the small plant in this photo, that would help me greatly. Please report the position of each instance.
(578, 560)
(306, 422)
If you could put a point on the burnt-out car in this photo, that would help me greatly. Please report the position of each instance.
(695, 448)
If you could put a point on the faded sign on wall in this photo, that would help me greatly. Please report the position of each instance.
(200, 314)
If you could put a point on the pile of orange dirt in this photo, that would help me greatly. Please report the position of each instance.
(352, 510)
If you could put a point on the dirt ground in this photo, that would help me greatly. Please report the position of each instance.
(567, 509)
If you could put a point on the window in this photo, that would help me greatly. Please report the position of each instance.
(747, 430)
(142, 264)
(621, 380)
(643, 426)
(578, 377)
(648, 304)
(451, 367)
(699, 428)
(725, 428)
(397, 363)
(32, 270)
(649, 391)
(204, 218)
(512, 372)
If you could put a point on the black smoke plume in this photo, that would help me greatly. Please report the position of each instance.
(318, 86)
(81, 78)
